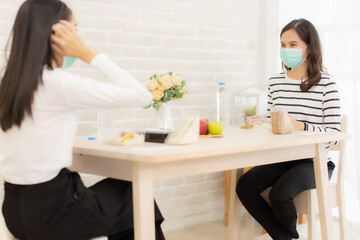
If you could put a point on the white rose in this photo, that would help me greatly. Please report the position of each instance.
(176, 81)
(152, 84)
(157, 95)
(165, 82)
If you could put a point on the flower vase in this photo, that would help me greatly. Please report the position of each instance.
(163, 117)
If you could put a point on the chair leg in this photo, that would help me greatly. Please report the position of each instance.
(301, 218)
(249, 227)
(311, 215)
(342, 221)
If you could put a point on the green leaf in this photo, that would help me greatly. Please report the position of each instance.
(156, 106)
(177, 93)
(167, 94)
(147, 106)
(250, 111)
(171, 93)
(170, 73)
(183, 83)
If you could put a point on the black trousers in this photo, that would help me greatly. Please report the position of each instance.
(64, 209)
(287, 180)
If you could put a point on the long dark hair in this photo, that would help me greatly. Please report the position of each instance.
(307, 33)
(31, 51)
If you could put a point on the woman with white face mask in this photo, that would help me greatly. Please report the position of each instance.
(311, 98)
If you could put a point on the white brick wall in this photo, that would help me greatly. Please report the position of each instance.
(206, 41)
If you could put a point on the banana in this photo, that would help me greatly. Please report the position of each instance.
(126, 137)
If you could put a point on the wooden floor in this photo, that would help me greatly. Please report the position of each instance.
(217, 231)
(209, 231)
(206, 231)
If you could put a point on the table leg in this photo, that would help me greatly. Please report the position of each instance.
(323, 192)
(143, 201)
(227, 193)
(227, 196)
(235, 209)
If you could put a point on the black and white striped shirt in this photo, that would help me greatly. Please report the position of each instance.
(318, 108)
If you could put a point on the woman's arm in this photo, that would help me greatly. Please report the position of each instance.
(122, 90)
(269, 104)
(84, 93)
(331, 110)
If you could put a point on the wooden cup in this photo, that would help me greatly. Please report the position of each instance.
(280, 123)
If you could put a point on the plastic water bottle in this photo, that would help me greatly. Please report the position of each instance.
(104, 123)
(222, 104)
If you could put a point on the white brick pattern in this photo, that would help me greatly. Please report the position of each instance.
(205, 41)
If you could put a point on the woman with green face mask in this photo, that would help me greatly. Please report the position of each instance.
(39, 100)
(310, 97)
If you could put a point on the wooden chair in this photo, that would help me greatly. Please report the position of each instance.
(301, 217)
(306, 202)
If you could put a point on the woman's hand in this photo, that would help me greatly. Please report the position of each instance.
(250, 120)
(67, 42)
(299, 126)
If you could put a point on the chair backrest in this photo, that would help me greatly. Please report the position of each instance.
(340, 147)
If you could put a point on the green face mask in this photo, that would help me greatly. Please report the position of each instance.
(68, 62)
(292, 57)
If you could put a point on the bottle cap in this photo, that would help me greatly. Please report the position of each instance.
(221, 84)
(91, 138)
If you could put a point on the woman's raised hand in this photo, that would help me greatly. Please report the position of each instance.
(67, 42)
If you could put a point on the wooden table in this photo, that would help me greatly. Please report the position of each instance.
(143, 164)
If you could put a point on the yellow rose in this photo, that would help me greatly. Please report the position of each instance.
(159, 75)
(165, 82)
(160, 88)
(157, 95)
(176, 81)
(152, 84)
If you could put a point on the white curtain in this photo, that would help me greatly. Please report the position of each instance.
(338, 24)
